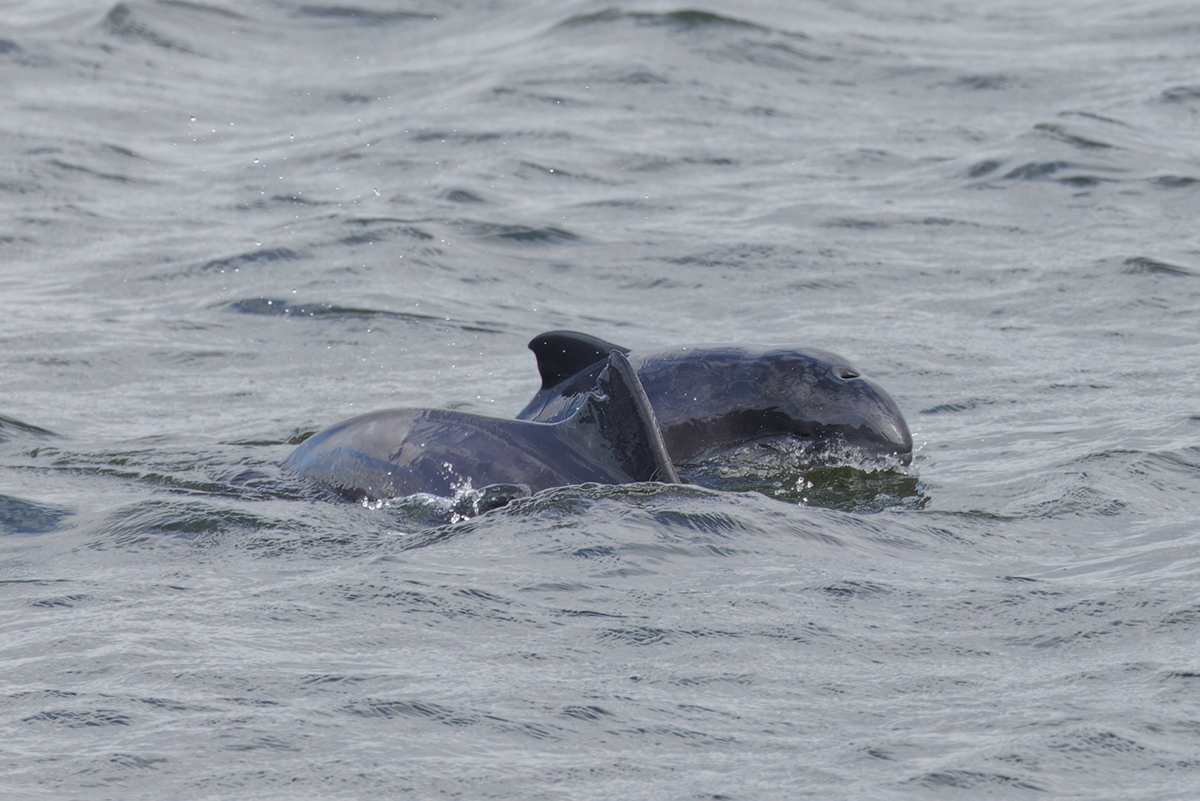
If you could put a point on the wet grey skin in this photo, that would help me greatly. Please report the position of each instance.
(713, 397)
(610, 436)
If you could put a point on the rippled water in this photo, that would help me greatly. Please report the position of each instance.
(224, 227)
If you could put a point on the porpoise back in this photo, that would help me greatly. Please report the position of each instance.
(610, 436)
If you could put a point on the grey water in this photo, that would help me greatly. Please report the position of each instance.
(225, 226)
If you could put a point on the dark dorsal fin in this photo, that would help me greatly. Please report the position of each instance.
(619, 428)
(562, 354)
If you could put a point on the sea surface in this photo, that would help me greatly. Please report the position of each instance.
(224, 226)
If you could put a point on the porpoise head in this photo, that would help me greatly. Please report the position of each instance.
(710, 398)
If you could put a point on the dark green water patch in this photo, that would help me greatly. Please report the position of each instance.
(852, 489)
(829, 477)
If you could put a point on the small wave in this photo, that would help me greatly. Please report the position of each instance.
(1036, 171)
(265, 256)
(1181, 94)
(153, 523)
(684, 20)
(122, 22)
(429, 712)
(276, 307)
(19, 516)
(11, 428)
(463, 196)
(958, 406)
(1059, 132)
(1062, 172)
(1173, 181)
(359, 15)
(992, 81)
(78, 168)
(458, 137)
(1141, 265)
(847, 590)
(641, 77)
(979, 781)
(372, 230)
(74, 719)
(414, 709)
(723, 38)
(709, 523)
(1114, 482)
(524, 235)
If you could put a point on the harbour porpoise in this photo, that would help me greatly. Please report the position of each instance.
(610, 436)
(714, 397)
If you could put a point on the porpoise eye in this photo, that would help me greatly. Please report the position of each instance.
(847, 373)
